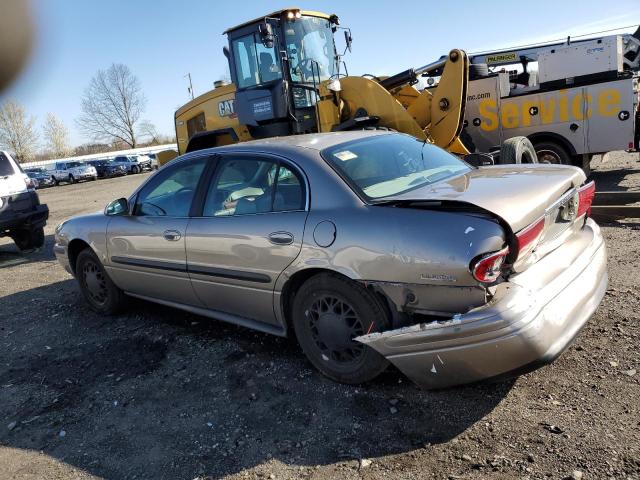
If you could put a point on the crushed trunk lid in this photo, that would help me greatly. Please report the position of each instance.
(518, 194)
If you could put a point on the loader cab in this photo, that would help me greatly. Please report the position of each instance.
(277, 63)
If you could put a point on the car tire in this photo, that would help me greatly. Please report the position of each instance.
(55, 181)
(135, 169)
(71, 179)
(27, 240)
(328, 312)
(102, 295)
(517, 150)
(552, 153)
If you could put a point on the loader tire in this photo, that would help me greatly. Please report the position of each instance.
(517, 150)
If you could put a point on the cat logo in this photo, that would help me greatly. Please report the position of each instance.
(226, 108)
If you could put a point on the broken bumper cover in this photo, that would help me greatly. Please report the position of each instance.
(530, 321)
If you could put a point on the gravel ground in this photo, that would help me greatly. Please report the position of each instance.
(157, 393)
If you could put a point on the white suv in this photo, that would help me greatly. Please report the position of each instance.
(22, 217)
(72, 172)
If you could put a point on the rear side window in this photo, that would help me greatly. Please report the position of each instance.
(6, 168)
(248, 186)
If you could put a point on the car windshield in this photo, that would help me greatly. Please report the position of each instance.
(386, 165)
(35, 170)
(73, 164)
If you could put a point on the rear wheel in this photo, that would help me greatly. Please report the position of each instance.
(517, 150)
(328, 312)
(99, 291)
(553, 153)
(135, 169)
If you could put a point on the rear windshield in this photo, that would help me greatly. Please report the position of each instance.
(387, 165)
(5, 166)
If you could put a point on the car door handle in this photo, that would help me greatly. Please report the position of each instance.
(172, 235)
(281, 238)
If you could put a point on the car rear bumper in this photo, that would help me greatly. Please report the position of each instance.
(22, 210)
(530, 321)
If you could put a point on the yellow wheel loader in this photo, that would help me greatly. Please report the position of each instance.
(286, 80)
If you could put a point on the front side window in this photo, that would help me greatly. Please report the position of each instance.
(247, 186)
(170, 192)
(255, 64)
(386, 165)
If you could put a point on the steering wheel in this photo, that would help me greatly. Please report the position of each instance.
(305, 67)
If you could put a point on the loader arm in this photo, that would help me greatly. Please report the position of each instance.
(435, 115)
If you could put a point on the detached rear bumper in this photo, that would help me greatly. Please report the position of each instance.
(530, 321)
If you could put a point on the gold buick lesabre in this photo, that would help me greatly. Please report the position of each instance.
(369, 247)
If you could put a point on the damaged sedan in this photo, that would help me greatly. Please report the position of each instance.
(370, 247)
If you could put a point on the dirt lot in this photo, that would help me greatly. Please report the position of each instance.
(157, 393)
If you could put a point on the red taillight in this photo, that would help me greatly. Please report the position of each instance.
(487, 268)
(585, 196)
(528, 237)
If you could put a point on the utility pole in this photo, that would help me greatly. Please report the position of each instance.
(190, 88)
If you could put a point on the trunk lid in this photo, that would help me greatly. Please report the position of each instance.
(519, 194)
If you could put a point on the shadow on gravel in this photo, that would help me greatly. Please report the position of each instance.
(610, 180)
(10, 255)
(157, 393)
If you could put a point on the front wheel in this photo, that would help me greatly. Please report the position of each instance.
(99, 291)
(135, 169)
(71, 179)
(329, 311)
(55, 181)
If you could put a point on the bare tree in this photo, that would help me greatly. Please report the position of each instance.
(56, 134)
(148, 129)
(112, 105)
(17, 131)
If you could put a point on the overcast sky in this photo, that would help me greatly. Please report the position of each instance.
(161, 41)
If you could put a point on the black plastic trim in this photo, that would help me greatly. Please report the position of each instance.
(139, 262)
(227, 273)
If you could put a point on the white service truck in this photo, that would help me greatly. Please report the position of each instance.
(572, 100)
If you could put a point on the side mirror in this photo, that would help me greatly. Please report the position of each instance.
(479, 159)
(348, 39)
(225, 50)
(117, 207)
(266, 34)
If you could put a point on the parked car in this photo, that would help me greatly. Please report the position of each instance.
(144, 161)
(72, 172)
(371, 247)
(22, 217)
(40, 176)
(154, 161)
(133, 163)
(107, 168)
